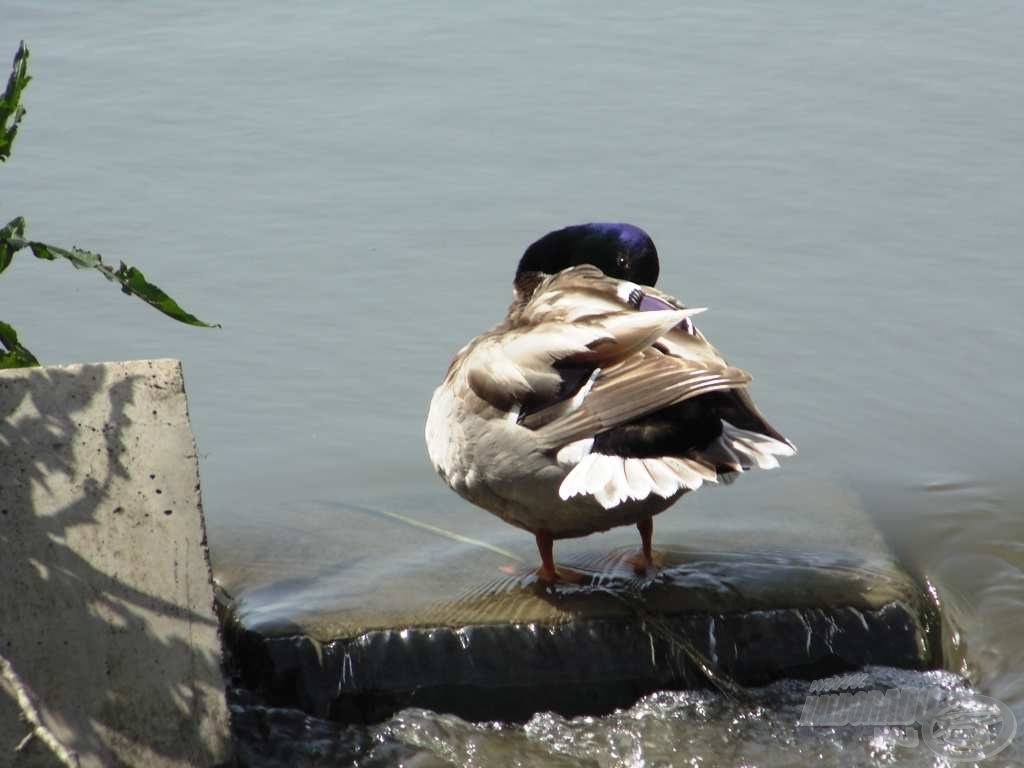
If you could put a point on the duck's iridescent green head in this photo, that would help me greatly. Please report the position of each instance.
(622, 251)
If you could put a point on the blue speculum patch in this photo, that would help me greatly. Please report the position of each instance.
(646, 303)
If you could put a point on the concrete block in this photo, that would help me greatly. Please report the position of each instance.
(413, 619)
(106, 603)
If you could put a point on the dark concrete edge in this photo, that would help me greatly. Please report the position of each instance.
(231, 760)
(510, 672)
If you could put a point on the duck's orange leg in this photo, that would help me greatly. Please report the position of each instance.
(547, 573)
(646, 528)
(645, 560)
(546, 545)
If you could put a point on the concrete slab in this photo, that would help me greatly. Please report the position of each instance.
(106, 622)
(415, 617)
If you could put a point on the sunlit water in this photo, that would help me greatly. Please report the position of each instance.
(347, 188)
(669, 728)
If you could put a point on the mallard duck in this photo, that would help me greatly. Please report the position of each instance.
(596, 402)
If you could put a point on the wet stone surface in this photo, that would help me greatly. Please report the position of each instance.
(705, 619)
(381, 611)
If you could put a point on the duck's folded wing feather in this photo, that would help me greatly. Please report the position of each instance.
(584, 290)
(615, 413)
(625, 392)
(517, 365)
(579, 291)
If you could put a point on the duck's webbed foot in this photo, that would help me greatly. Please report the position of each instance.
(563, 575)
(548, 573)
(646, 559)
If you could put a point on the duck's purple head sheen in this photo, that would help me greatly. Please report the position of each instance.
(622, 251)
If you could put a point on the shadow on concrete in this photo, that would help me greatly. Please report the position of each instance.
(61, 618)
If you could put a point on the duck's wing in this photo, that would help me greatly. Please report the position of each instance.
(532, 360)
(617, 381)
(529, 365)
(623, 378)
(622, 393)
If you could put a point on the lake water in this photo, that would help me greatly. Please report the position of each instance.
(347, 190)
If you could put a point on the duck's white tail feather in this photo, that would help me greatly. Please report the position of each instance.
(572, 454)
(663, 480)
(639, 480)
(613, 480)
(760, 449)
(738, 450)
(721, 456)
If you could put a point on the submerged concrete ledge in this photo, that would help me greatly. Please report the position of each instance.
(109, 647)
(512, 647)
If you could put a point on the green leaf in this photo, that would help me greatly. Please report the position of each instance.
(11, 240)
(15, 356)
(133, 281)
(12, 236)
(79, 258)
(11, 110)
